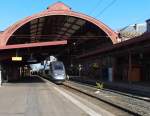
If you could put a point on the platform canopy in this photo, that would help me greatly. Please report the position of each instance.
(55, 30)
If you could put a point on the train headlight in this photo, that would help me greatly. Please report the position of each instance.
(55, 74)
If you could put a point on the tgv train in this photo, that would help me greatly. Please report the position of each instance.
(55, 71)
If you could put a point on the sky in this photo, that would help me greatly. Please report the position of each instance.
(114, 13)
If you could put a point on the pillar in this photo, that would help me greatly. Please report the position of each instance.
(113, 68)
(129, 67)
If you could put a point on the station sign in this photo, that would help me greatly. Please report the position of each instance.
(16, 58)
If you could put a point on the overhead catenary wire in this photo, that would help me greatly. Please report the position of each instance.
(107, 7)
(96, 6)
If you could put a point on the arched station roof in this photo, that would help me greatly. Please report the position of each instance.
(61, 19)
(55, 31)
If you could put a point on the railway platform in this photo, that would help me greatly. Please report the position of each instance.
(33, 96)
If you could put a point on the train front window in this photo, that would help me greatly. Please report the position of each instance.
(58, 67)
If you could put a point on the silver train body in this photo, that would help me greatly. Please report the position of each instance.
(55, 72)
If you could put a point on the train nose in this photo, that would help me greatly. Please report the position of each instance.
(60, 76)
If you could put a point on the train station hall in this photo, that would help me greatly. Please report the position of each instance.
(89, 49)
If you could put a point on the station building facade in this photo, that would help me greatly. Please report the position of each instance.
(126, 61)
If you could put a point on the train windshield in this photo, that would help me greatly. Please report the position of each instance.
(58, 67)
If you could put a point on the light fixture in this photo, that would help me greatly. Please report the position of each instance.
(16, 57)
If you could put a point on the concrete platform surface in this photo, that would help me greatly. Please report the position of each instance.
(37, 98)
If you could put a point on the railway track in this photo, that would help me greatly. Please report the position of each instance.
(126, 103)
(100, 103)
(133, 95)
(131, 104)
